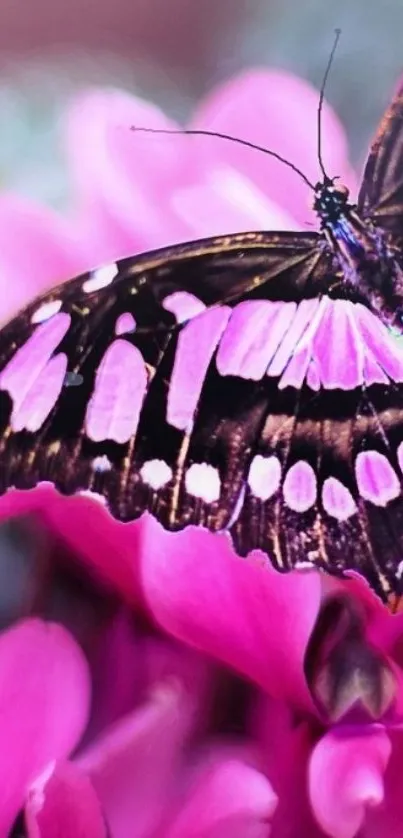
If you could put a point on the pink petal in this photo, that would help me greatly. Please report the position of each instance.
(278, 111)
(98, 539)
(166, 660)
(386, 631)
(285, 746)
(49, 255)
(250, 617)
(63, 803)
(386, 820)
(126, 666)
(346, 778)
(44, 704)
(133, 766)
(117, 671)
(219, 199)
(231, 799)
(124, 179)
(139, 191)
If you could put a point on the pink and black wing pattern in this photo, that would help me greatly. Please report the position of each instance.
(102, 387)
(234, 383)
(325, 485)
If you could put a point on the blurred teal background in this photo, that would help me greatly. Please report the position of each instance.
(173, 51)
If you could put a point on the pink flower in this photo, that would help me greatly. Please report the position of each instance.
(255, 732)
(137, 191)
(343, 774)
(186, 693)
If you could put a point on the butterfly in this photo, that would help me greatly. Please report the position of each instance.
(250, 383)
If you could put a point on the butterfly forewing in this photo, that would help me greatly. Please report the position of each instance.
(88, 402)
(222, 420)
(381, 193)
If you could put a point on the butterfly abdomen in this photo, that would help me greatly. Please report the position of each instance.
(367, 263)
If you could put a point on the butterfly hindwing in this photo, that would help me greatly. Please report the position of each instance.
(327, 487)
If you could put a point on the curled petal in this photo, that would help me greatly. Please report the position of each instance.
(44, 704)
(63, 803)
(231, 799)
(385, 820)
(252, 618)
(346, 778)
(285, 748)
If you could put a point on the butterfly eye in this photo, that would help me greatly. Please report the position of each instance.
(341, 191)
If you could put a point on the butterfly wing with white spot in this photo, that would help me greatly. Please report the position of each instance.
(113, 334)
(237, 418)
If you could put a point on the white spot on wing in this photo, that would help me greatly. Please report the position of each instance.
(101, 463)
(46, 311)
(337, 500)
(156, 473)
(203, 481)
(100, 278)
(264, 476)
(376, 479)
(299, 488)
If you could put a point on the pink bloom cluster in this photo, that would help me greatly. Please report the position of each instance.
(189, 693)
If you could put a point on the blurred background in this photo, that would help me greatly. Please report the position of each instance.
(173, 51)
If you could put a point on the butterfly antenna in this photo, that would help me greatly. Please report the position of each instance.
(321, 97)
(200, 133)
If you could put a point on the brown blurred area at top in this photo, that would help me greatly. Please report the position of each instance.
(177, 49)
(182, 37)
(160, 26)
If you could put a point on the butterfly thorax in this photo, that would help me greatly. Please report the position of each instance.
(362, 254)
(330, 202)
(352, 241)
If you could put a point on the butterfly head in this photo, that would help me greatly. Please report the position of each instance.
(330, 201)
